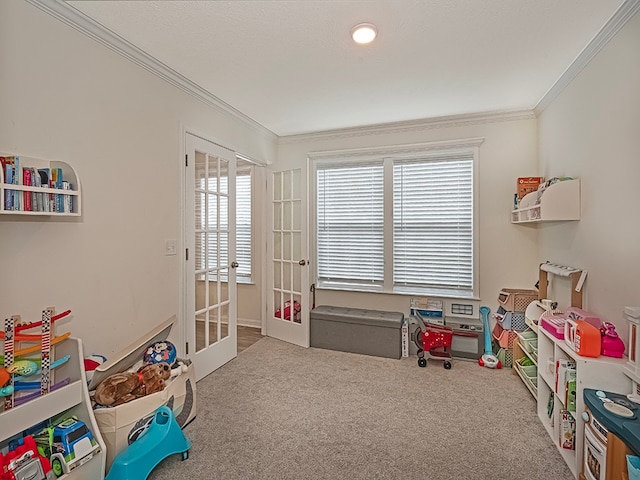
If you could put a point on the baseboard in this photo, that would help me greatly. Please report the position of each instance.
(249, 322)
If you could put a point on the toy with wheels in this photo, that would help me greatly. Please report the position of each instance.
(488, 360)
(434, 342)
(162, 438)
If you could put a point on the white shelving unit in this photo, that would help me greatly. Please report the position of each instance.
(68, 174)
(71, 399)
(604, 373)
(559, 202)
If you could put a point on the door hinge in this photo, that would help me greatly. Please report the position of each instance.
(186, 160)
(186, 256)
(187, 348)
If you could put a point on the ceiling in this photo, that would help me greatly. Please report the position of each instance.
(291, 66)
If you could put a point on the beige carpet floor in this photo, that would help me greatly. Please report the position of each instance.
(279, 411)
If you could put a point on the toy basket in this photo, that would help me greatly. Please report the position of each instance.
(505, 338)
(511, 320)
(505, 355)
(515, 300)
(528, 341)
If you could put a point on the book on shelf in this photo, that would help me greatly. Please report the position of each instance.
(562, 365)
(26, 180)
(567, 430)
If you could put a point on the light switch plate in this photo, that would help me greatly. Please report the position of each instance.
(170, 246)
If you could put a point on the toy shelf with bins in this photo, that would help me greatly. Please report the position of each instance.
(36, 204)
(526, 347)
(558, 202)
(71, 399)
(604, 373)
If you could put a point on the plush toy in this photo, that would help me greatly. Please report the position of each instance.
(126, 386)
(92, 362)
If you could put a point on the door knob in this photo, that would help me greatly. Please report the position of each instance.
(302, 262)
(234, 265)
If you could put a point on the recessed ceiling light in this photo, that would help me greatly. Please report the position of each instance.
(364, 33)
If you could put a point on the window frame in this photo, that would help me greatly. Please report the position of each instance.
(389, 154)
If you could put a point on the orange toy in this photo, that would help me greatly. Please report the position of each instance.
(4, 376)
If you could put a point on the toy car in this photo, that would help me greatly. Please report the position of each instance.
(25, 463)
(67, 444)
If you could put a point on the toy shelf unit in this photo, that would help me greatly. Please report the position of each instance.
(525, 364)
(559, 201)
(31, 186)
(560, 395)
(71, 399)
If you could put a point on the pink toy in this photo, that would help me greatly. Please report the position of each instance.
(612, 344)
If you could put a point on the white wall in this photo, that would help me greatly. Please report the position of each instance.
(507, 253)
(65, 97)
(592, 131)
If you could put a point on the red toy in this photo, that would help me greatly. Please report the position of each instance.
(23, 459)
(287, 311)
(435, 340)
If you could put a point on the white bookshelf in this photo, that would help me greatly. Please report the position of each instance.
(71, 399)
(18, 205)
(604, 373)
(558, 202)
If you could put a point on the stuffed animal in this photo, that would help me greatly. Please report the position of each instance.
(126, 386)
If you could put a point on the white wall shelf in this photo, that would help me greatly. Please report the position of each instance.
(558, 202)
(18, 198)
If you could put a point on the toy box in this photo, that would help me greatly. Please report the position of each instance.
(528, 185)
(118, 423)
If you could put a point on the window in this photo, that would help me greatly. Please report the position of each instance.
(244, 185)
(244, 232)
(350, 223)
(397, 221)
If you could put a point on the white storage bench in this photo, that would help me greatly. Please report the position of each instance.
(355, 330)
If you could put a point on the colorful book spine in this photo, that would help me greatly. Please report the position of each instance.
(26, 180)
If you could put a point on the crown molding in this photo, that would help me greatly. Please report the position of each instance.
(454, 147)
(64, 12)
(626, 11)
(411, 126)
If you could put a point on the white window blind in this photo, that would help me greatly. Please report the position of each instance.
(350, 220)
(433, 223)
(426, 201)
(243, 225)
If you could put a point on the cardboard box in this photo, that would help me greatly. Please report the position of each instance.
(527, 185)
(117, 424)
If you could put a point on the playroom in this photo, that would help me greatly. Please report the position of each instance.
(301, 257)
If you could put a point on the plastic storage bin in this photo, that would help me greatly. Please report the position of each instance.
(528, 339)
(511, 320)
(505, 355)
(516, 300)
(505, 338)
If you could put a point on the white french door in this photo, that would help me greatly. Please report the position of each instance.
(210, 275)
(288, 290)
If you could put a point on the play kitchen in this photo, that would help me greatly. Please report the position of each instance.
(462, 318)
(612, 431)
